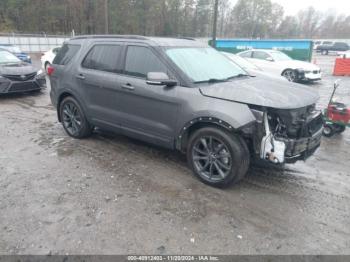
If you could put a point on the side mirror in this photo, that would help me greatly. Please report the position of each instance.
(160, 79)
(270, 59)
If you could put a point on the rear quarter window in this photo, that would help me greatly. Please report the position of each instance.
(104, 58)
(66, 53)
(247, 54)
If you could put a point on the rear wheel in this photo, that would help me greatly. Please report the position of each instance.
(328, 130)
(290, 75)
(216, 157)
(73, 119)
(339, 129)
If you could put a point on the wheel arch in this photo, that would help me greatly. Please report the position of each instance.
(284, 70)
(62, 96)
(201, 122)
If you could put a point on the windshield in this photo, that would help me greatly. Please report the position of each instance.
(8, 58)
(279, 56)
(204, 64)
(245, 64)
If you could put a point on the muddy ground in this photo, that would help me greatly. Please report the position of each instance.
(112, 195)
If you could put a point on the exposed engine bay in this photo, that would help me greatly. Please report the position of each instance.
(287, 135)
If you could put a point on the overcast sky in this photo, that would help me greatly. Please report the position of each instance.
(291, 7)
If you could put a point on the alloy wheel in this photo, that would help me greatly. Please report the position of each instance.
(211, 158)
(290, 75)
(71, 118)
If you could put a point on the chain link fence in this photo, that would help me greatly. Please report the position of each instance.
(33, 43)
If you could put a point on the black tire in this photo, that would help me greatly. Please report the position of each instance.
(339, 129)
(73, 118)
(290, 75)
(328, 130)
(233, 158)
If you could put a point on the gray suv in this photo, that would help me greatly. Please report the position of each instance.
(182, 94)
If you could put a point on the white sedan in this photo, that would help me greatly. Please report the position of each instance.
(278, 63)
(48, 57)
(249, 67)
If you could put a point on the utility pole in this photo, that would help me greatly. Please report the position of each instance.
(215, 22)
(106, 16)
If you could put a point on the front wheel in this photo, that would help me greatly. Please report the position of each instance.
(216, 157)
(328, 130)
(290, 74)
(73, 119)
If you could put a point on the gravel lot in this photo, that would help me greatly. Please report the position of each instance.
(112, 195)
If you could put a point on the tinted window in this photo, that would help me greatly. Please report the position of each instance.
(246, 54)
(56, 50)
(66, 54)
(103, 58)
(260, 55)
(327, 42)
(340, 45)
(141, 60)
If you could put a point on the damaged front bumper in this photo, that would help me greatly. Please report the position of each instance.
(278, 150)
(301, 149)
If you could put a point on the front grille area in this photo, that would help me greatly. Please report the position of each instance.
(316, 71)
(295, 123)
(295, 147)
(312, 126)
(20, 77)
(22, 87)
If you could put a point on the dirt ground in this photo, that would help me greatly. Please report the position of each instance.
(112, 195)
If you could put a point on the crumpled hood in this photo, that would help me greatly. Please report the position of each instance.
(296, 64)
(263, 91)
(17, 69)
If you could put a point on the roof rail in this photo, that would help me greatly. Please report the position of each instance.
(139, 37)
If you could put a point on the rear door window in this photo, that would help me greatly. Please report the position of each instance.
(104, 58)
(246, 54)
(340, 45)
(260, 55)
(66, 53)
(56, 50)
(141, 60)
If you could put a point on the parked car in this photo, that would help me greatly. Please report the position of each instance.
(47, 57)
(17, 52)
(18, 76)
(182, 94)
(280, 64)
(335, 47)
(252, 69)
(322, 42)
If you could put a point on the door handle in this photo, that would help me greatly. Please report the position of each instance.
(128, 86)
(80, 76)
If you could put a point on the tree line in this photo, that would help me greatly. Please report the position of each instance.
(188, 18)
